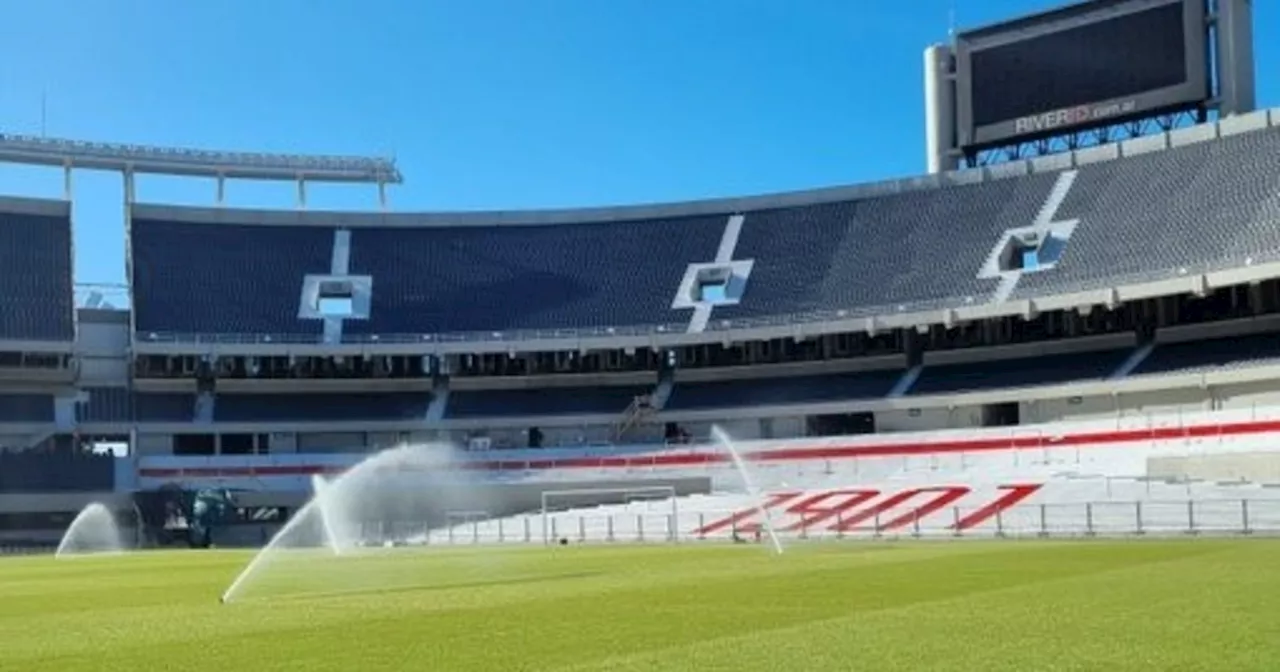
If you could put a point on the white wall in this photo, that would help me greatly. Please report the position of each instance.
(1073, 408)
(284, 442)
(929, 419)
(102, 349)
(1112, 447)
(1255, 467)
(332, 442)
(154, 444)
(1245, 395)
(1164, 402)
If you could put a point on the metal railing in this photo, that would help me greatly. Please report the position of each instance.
(1170, 518)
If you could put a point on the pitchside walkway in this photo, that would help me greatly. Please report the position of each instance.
(1105, 447)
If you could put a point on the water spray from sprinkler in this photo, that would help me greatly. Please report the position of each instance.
(723, 439)
(94, 530)
(333, 522)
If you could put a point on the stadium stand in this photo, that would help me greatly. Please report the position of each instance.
(1200, 207)
(915, 250)
(26, 408)
(193, 278)
(1074, 451)
(164, 407)
(543, 401)
(41, 472)
(312, 407)
(1191, 356)
(35, 271)
(106, 404)
(462, 279)
(779, 391)
(220, 377)
(1021, 372)
(920, 249)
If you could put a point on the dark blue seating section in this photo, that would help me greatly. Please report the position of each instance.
(1021, 372)
(26, 408)
(543, 401)
(321, 407)
(919, 249)
(780, 391)
(42, 471)
(36, 298)
(200, 278)
(1194, 356)
(1200, 207)
(153, 407)
(502, 278)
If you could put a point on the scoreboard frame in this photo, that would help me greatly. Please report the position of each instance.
(1193, 91)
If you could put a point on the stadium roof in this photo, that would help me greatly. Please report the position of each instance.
(196, 162)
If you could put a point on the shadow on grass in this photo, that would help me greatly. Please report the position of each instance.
(421, 587)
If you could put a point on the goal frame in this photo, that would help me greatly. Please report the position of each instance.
(455, 519)
(668, 490)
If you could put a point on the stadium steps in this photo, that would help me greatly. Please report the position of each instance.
(1134, 361)
(904, 384)
(204, 407)
(64, 412)
(340, 262)
(439, 400)
(1004, 290)
(640, 409)
(41, 438)
(661, 393)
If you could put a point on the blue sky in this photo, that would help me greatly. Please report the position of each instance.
(488, 104)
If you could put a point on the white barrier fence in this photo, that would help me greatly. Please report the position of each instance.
(1088, 519)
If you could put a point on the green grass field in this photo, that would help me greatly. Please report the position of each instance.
(1195, 604)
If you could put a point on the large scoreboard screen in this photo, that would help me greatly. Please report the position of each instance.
(1086, 65)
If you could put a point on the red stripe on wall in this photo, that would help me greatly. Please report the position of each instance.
(836, 452)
